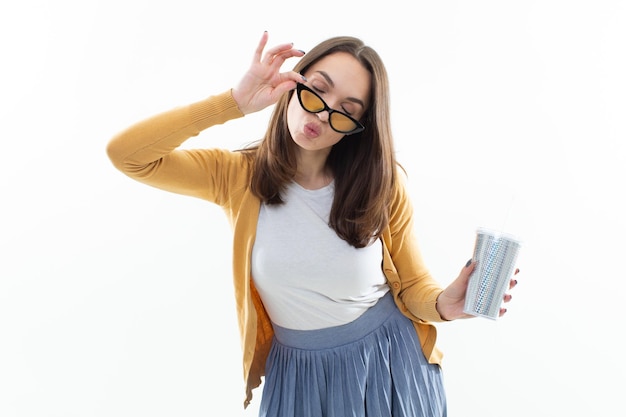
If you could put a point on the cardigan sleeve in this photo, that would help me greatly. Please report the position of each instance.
(148, 150)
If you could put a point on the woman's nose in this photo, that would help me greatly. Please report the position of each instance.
(323, 116)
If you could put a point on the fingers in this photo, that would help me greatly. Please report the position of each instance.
(258, 53)
(508, 297)
(277, 52)
(276, 55)
(466, 272)
(263, 83)
(288, 81)
(513, 282)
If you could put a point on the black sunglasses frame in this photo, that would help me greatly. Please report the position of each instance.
(359, 127)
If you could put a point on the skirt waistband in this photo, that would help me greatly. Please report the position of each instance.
(335, 336)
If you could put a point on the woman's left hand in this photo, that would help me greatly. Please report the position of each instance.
(451, 301)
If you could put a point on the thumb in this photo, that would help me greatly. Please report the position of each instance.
(282, 88)
(288, 81)
(456, 290)
(467, 270)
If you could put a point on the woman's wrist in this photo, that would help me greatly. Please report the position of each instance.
(439, 309)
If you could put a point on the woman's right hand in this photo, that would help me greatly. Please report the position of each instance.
(263, 84)
(451, 302)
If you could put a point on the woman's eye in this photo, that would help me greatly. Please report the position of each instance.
(346, 111)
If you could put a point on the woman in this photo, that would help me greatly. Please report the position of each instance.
(334, 300)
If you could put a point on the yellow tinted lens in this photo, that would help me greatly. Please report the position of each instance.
(341, 122)
(311, 102)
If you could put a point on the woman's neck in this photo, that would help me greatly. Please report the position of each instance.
(312, 172)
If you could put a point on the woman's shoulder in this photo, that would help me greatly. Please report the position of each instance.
(225, 160)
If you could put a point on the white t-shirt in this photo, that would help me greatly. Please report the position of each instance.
(307, 277)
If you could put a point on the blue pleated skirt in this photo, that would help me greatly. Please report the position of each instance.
(371, 367)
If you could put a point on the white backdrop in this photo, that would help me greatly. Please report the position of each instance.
(116, 298)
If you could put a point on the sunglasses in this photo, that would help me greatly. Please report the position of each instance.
(339, 121)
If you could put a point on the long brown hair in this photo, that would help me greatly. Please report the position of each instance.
(363, 164)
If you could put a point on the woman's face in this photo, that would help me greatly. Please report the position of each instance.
(344, 84)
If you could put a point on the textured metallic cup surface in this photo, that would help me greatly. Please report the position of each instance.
(495, 255)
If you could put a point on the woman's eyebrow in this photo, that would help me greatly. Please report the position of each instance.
(332, 84)
(327, 77)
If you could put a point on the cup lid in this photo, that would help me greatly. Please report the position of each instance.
(498, 234)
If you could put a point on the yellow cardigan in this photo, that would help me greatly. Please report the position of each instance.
(147, 152)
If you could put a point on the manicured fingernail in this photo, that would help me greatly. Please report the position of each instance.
(301, 51)
(468, 263)
(303, 77)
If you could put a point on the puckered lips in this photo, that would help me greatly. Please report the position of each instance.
(312, 130)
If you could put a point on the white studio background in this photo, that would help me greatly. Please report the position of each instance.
(116, 298)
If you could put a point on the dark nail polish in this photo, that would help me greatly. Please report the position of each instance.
(468, 263)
